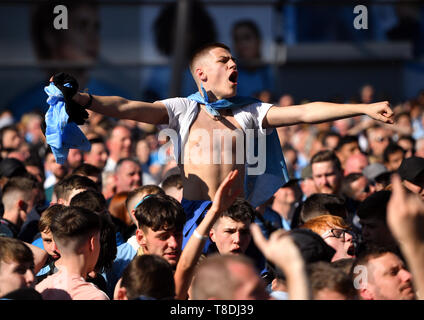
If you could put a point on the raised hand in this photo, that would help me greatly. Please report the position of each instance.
(380, 111)
(226, 194)
(68, 85)
(281, 250)
(405, 214)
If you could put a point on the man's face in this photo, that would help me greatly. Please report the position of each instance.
(327, 177)
(164, 243)
(119, 144)
(49, 244)
(97, 155)
(394, 161)
(246, 43)
(220, 71)
(81, 43)
(74, 158)
(388, 279)
(361, 189)
(348, 150)
(251, 286)
(230, 236)
(128, 176)
(57, 169)
(342, 243)
(378, 141)
(11, 139)
(15, 275)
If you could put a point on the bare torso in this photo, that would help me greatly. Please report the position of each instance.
(206, 164)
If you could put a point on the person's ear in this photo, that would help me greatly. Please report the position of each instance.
(141, 237)
(365, 294)
(201, 74)
(22, 205)
(92, 245)
(212, 234)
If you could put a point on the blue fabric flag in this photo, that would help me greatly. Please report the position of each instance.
(258, 188)
(61, 135)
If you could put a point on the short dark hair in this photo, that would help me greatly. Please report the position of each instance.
(322, 275)
(160, 212)
(89, 199)
(87, 169)
(74, 224)
(345, 140)
(319, 204)
(375, 205)
(173, 180)
(205, 49)
(326, 155)
(149, 275)
(14, 250)
(64, 187)
(241, 210)
(391, 149)
(48, 215)
(22, 183)
(328, 134)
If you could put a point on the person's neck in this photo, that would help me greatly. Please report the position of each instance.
(13, 217)
(74, 264)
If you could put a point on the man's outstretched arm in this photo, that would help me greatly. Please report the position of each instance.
(112, 106)
(316, 112)
(121, 108)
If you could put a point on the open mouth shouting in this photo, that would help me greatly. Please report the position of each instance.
(233, 77)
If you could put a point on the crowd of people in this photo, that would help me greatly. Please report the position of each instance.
(340, 218)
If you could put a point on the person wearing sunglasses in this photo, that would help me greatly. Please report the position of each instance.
(336, 233)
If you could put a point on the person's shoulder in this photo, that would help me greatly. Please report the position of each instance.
(83, 290)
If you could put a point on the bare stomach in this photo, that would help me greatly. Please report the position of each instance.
(202, 181)
(213, 149)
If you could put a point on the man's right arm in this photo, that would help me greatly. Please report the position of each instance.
(121, 108)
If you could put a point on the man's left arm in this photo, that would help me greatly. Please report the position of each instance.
(316, 112)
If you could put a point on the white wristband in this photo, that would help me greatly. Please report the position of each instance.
(198, 236)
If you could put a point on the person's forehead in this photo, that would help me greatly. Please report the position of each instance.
(130, 165)
(360, 181)
(227, 222)
(161, 231)
(120, 132)
(350, 145)
(386, 261)
(219, 52)
(322, 165)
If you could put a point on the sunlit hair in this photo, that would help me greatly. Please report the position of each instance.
(322, 223)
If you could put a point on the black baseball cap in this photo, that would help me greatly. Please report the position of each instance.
(412, 169)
